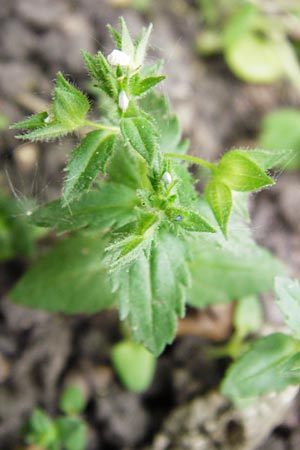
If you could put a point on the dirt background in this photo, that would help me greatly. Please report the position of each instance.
(39, 352)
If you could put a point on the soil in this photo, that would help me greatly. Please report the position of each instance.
(40, 352)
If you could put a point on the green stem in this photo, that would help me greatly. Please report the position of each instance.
(192, 159)
(101, 126)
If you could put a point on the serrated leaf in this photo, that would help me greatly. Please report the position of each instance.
(101, 73)
(151, 291)
(141, 45)
(112, 205)
(69, 278)
(86, 161)
(259, 371)
(219, 197)
(288, 300)
(141, 136)
(134, 364)
(239, 265)
(240, 173)
(116, 36)
(140, 86)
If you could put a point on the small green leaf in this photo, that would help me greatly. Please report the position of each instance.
(151, 291)
(219, 197)
(259, 371)
(141, 86)
(288, 300)
(141, 45)
(101, 73)
(248, 316)
(70, 106)
(281, 130)
(67, 114)
(126, 41)
(240, 173)
(32, 123)
(86, 162)
(189, 220)
(72, 432)
(116, 36)
(141, 136)
(69, 278)
(244, 20)
(134, 364)
(255, 59)
(72, 400)
(41, 430)
(112, 205)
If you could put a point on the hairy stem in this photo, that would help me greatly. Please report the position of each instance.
(192, 159)
(101, 126)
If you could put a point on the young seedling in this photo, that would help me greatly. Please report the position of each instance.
(66, 432)
(139, 236)
(256, 45)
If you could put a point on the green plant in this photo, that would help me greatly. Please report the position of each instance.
(281, 129)
(140, 236)
(256, 45)
(65, 432)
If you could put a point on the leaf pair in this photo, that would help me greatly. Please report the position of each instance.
(67, 114)
(236, 171)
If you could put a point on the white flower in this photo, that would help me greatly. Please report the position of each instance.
(119, 58)
(123, 101)
(167, 178)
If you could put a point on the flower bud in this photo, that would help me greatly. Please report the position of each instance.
(123, 101)
(119, 58)
(167, 178)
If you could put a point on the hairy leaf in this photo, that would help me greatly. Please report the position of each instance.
(259, 371)
(139, 86)
(141, 136)
(101, 73)
(151, 291)
(112, 205)
(86, 161)
(69, 278)
(219, 197)
(240, 173)
(67, 114)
